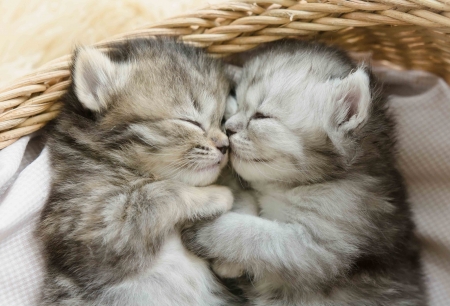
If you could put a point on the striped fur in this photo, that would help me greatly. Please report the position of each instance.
(332, 227)
(132, 152)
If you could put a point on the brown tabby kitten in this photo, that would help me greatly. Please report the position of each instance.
(139, 132)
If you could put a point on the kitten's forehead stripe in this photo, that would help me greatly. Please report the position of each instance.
(182, 84)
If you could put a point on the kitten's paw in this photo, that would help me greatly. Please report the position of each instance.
(227, 270)
(221, 199)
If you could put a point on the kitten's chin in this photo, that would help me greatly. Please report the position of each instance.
(261, 171)
(200, 176)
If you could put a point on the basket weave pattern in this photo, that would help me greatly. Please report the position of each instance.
(406, 34)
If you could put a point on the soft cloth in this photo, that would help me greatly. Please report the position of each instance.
(421, 104)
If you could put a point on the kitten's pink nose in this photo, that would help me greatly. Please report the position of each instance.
(230, 132)
(223, 149)
(220, 142)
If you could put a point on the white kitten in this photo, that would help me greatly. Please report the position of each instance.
(313, 138)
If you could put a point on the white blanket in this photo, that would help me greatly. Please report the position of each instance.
(421, 103)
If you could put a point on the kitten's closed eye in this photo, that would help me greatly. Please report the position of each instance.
(259, 115)
(193, 122)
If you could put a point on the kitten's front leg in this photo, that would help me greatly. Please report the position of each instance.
(245, 203)
(227, 269)
(118, 235)
(181, 203)
(261, 245)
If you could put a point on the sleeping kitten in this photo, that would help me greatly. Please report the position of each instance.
(313, 138)
(139, 132)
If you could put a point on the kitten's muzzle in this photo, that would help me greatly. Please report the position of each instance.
(230, 132)
(223, 149)
(220, 141)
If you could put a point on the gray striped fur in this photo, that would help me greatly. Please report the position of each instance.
(132, 152)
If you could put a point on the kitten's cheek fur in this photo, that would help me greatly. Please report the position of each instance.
(203, 177)
(208, 177)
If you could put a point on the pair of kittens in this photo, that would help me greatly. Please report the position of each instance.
(132, 217)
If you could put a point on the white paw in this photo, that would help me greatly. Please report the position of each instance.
(223, 197)
(227, 270)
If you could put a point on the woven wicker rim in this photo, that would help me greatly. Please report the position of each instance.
(404, 34)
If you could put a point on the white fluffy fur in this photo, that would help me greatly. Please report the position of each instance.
(333, 107)
(34, 32)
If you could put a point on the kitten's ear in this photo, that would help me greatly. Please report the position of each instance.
(96, 77)
(352, 98)
(233, 73)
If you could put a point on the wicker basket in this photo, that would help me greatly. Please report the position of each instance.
(403, 34)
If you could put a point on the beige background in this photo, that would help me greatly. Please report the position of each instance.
(33, 32)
